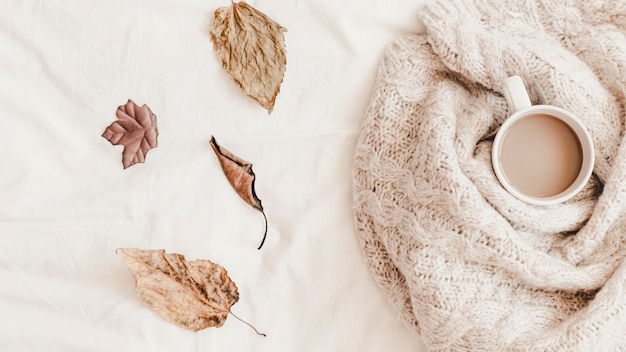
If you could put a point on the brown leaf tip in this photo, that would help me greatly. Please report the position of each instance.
(135, 129)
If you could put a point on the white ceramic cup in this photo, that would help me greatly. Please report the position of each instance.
(521, 108)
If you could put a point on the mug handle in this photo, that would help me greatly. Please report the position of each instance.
(515, 93)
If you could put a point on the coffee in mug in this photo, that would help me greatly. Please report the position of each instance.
(542, 154)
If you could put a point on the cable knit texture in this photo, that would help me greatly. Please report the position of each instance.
(463, 262)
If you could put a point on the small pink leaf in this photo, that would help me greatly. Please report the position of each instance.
(135, 129)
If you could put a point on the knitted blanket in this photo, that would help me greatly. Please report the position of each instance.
(463, 262)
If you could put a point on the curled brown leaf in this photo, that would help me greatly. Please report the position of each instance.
(135, 129)
(239, 174)
(251, 49)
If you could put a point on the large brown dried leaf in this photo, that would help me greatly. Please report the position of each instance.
(241, 177)
(135, 129)
(251, 48)
(193, 295)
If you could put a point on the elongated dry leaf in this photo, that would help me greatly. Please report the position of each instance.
(135, 129)
(241, 177)
(251, 48)
(191, 294)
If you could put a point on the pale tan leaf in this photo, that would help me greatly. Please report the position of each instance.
(193, 295)
(251, 48)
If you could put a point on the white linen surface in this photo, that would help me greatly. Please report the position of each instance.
(66, 203)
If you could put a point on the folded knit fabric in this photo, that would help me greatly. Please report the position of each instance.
(463, 262)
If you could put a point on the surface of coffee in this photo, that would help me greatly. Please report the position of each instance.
(540, 155)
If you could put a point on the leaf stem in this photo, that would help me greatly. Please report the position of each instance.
(265, 233)
(245, 322)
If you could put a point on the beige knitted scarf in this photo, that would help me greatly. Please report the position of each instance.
(463, 262)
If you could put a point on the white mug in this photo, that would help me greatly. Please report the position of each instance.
(541, 154)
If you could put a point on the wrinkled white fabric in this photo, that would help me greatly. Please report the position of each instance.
(463, 262)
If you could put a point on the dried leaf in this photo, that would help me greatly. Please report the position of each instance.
(251, 48)
(191, 294)
(241, 177)
(135, 129)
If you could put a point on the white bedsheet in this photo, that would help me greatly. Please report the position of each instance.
(66, 203)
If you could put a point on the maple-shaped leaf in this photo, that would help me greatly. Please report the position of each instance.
(239, 174)
(191, 294)
(135, 129)
(251, 48)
